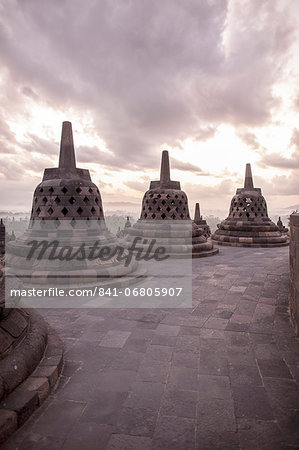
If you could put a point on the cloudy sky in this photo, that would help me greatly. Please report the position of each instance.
(213, 81)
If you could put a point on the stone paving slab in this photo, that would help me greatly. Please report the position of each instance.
(222, 375)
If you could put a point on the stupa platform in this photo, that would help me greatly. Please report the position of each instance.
(152, 378)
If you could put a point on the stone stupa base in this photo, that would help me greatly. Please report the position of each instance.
(31, 360)
(244, 235)
(174, 236)
(210, 250)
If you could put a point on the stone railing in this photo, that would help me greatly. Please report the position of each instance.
(294, 270)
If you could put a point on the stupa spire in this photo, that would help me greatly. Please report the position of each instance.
(197, 213)
(248, 183)
(67, 158)
(165, 169)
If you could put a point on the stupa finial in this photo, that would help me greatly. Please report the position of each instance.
(165, 170)
(67, 158)
(248, 183)
(197, 213)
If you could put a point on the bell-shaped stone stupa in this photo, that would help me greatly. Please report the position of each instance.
(67, 210)
(281, 226)
(165, 217)
(67, 192)
(248, 224)
(201, 223)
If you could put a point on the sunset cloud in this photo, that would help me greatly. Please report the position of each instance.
(148, 74)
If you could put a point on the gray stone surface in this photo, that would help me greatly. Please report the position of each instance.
(294, 272)
(222, 375)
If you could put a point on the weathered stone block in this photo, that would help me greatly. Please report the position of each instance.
(22, 402)
(38, 384)
(51, 372)
(15, 324)
(294, 271)
(8, 424)
(6, 342)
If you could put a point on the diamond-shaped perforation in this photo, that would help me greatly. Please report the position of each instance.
(252, 207)
(79, 210)
(166, 204)
(50, 211)
(64, 190)
(57, 200)
(72, 200)
(51, 190)
(78, 190)
(86, 200)
(64, 211)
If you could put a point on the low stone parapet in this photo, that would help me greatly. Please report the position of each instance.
(294, 271)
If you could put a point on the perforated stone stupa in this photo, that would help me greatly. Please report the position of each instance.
(67, 192)
(165, 216)
(248, 224)
(67, 206)
(281, 226)
(201, 223)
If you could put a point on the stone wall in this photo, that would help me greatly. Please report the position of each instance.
(294, 270)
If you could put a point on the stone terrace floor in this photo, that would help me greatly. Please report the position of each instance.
(223, 375)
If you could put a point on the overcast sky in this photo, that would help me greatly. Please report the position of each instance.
(213, 81)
